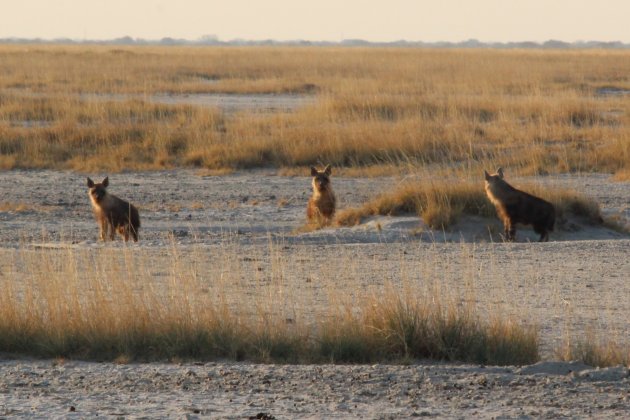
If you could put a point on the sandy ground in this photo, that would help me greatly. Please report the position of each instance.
(202, 209)
(241, 390)
(576, 282)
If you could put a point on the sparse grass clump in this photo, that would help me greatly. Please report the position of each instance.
(14, 207)
(599, 353)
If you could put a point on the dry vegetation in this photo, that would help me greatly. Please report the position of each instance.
(110, 304)
(375, 111)
(532, 111)
(440, 204)
(593, 353)
(117, 304)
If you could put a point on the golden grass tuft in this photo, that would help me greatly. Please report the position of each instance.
(595, 352)
(17, 207)
(14, 207)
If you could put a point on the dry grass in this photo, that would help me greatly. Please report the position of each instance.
(596, 352)
(392, 108)
(115, 304)
(440, 204)
(14, 207)
(17, 207)
(401, 324)
(622, 175)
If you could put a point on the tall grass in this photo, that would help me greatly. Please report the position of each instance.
(403, 326)
(533, 110)
(116, 304)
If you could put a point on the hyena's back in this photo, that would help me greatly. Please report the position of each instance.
(516, 206)
(530, 210)
(121, 215)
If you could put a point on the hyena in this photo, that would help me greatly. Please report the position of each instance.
(112, 213)
(321, 205)
(515, 206)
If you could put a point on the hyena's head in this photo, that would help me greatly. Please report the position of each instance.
(97, 191)
(494, 178)
(321, 179)
(495, 184)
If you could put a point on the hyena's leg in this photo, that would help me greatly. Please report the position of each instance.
(510, 231)
(544, 236)
(125, 232)
(103, 229)
(544, 233)
(134, 233)
(112, 232)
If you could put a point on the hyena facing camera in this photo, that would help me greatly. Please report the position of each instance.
(112, 213)
(321, 205)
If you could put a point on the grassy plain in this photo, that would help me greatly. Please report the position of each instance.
(373, 110)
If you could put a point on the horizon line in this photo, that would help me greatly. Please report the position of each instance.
(215, 40)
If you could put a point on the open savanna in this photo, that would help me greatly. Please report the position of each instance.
(366, 110)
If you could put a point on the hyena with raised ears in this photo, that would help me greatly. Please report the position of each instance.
(321, 205)
(112, 213)
(516, 206)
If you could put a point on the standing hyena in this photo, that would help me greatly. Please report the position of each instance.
(112, 213)
(321, 205)
(515, 206)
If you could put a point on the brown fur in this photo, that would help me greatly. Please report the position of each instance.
(515, 206)
(112, 213)
(322, 204)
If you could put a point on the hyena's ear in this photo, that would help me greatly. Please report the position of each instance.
(500, 172)
(328, 170)
(105, 182)
(314, 171)
(486, 174)
(90, 183)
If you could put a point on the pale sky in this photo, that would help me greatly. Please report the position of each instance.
(320, 20)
